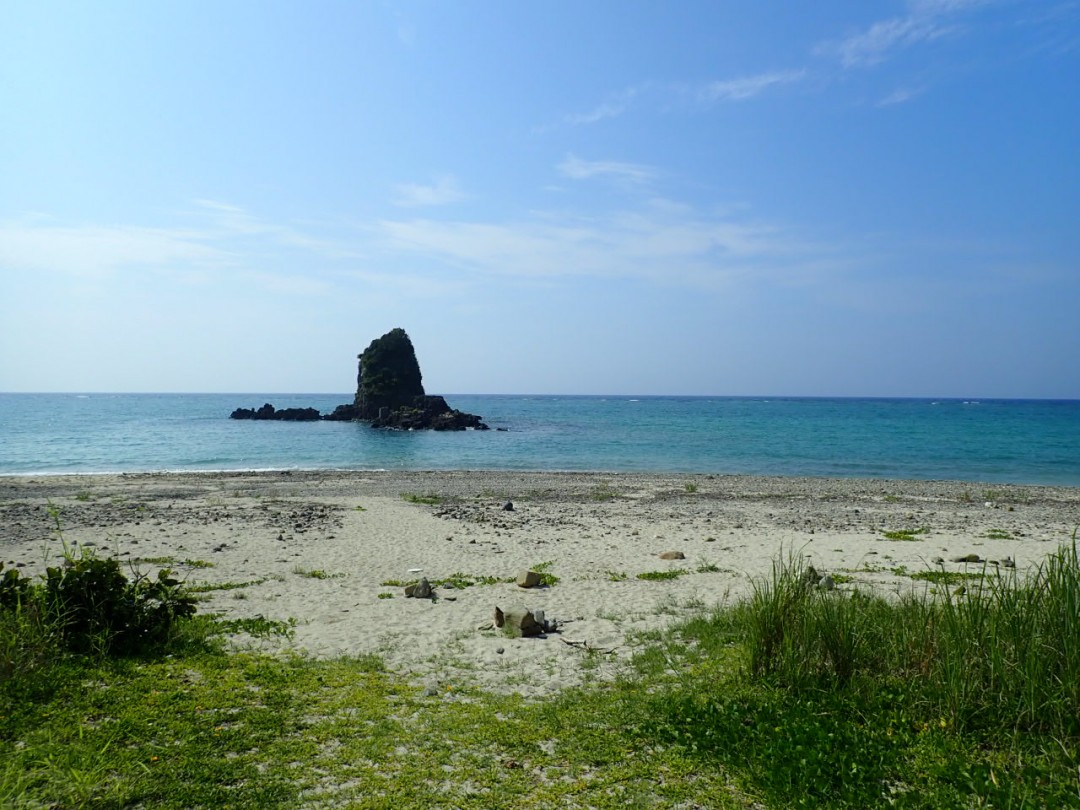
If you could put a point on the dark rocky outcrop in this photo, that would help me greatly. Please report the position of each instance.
(268, 411)
(390, 391)
(389, 394)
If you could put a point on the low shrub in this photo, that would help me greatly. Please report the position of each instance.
(86, 606)
(97, 609)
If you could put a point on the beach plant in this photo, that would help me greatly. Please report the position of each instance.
(547, 579)
(943, 577)
(316, 573)
(254, 626)
(603, 492)
(210, 587)
(660, 576)
(905, 534)
(429, 499)
(96, 608)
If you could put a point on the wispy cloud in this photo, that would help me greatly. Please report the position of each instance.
(577, 169)
(612, 107)
(748, 86)
(659, 241)
(224, 239)
(94, 251)
(443, 191)
(608, 109)
(662, 243)
(901, 95)
(926, 20)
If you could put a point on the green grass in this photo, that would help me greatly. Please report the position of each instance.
(904, 534)
(793, 697)
(456, 580)
(998, 534)
(660, 576)
(604, 492)
(316, 573)
(210, 587)
(941, 577)
(547, 579)
(415, 497)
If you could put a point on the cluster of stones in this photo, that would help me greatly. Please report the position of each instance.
(389, 394)
(517, 621)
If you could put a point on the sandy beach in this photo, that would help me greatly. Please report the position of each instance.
(332, 551)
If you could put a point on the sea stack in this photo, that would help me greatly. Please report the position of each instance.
(389, 394)
(390, 391)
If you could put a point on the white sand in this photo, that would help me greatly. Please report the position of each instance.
(595, 532)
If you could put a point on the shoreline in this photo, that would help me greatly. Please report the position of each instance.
(323, 546)
(479, 472)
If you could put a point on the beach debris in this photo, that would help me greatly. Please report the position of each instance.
(584, 645)
(520, 621)
(672, 555)
(528, 579)
(420, 590)
(508, 506)
(968, 558)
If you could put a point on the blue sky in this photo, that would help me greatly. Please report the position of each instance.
(833, 198)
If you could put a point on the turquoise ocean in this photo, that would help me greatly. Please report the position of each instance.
(1003, 441)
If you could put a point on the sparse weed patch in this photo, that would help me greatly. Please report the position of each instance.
(905, 534)
(998, 534)
(547, 579)
(316, 573)
(659, 576)
(942, 577)
(210, 587)
(428, 499)
(254, 626)
(604, 492)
